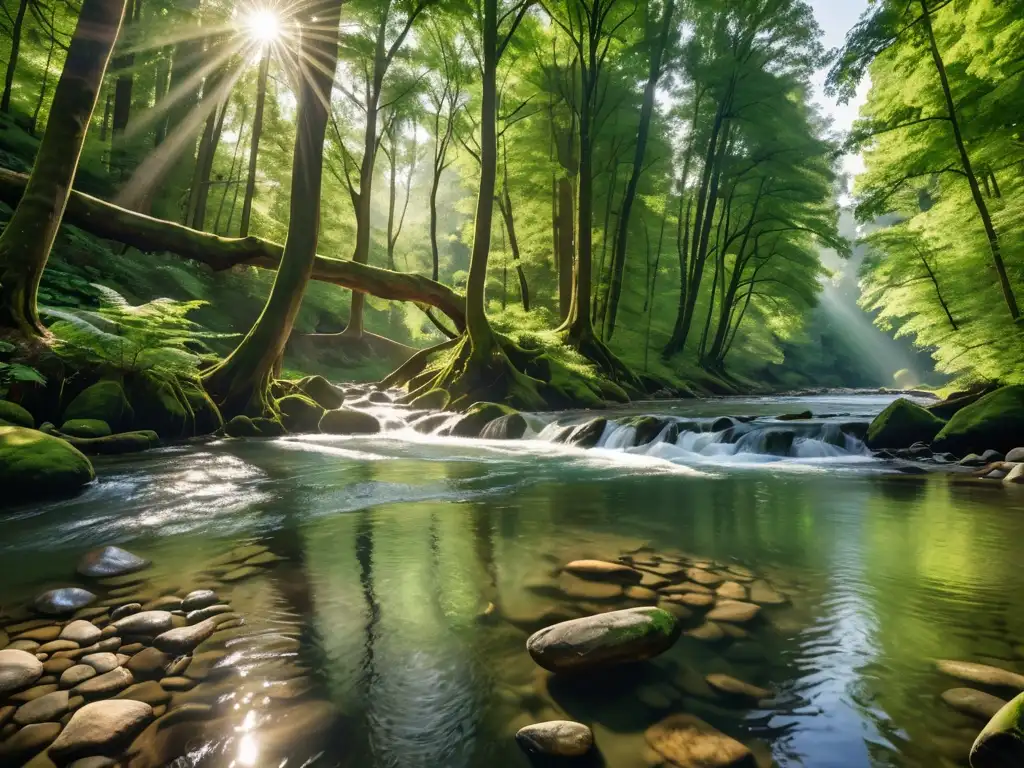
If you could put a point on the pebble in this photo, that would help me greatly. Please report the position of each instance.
(103, 646)
(41, 634)
(178, 683)
(18, 670)
(602, 570)
(200, 598)
(101, 662)
(693, 600)
(685, 587)
(165, 603)
(734, 687)
(734, 611)
(29, 741)
(75, 675)
(105, 684)
(708, 632)
(101, 726)
(29, 646)
(240, 573)
(732, 590)
(983, 674)
(125, 610)
(556, 738)
(145, 623)
(33, 693)
(576, 588)
(150, 692)
(110, 561)
(194, 617)
(60, 601)
(148, 664)
(45, 709)
(971, 702)
(762, 593)
(57, 645)
(82, 632)
(57, 666)
(706, 578)
(688, 742)
(185, 639)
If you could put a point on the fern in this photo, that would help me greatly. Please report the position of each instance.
(155, 338)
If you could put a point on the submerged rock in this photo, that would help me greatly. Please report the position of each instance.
(34, 465)
(983, 674)
(802, 416)
(734, 612)
(145, 623)
(59, 601)
(607, 639)
(731, 686)
(686, 741)
(974, 703)
(556, 738)
(602, 570)
(101, 728)
(996, 421)
(434, 400)
(110, 561)
(346, 421)
(902, 424)
(1001, 742)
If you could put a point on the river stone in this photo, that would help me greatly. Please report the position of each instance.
(1001, 742)
(103, 646)
(95, 762)
(33, 693)
(1015, 476)
(110, 561)
(103, 685)
(706, 578)
(185, 639)
(762, 593)
(82, 632)
(41, 634)
(602, 570)
(693, 600)
(734, 611)
(733, 687)
(688, 742)
(708, 632)
(972, 702)
(240, 573)
(200, 598)
(79, 673)
(45, 709)
(125, 610)
(101, 727)
(150, 692)
(145, 623)
(28, 741)
(165, 603)
(557, 738)
(194, 617)
(982, 674)
(631, 635)
(686, 586)
(732, 590)
(57, 645)
(59, 601)
(582, 589)
(149, 663)
(18, 670)
(177, 683)
(29, 646)
(641, 594)
(57, 666)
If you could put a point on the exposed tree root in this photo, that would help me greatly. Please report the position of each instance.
(606, 361)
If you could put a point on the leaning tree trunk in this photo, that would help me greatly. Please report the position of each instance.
(254, 141)
(241, 383)
(12, 60)
(26, 241)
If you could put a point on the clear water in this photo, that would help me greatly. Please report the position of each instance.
(393, 547)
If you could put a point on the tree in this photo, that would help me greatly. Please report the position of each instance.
(28, 237)
(254, 139)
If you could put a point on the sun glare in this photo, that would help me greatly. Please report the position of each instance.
(263, 25)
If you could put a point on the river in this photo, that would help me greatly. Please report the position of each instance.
(407, 569)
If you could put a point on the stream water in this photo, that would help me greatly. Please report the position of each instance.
(411, 567)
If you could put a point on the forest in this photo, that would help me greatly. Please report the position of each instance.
(538, 204)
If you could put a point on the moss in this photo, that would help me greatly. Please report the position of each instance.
(15, 415)
(434, 399)
(34, 465)
(241, 426)
(347, 421)
(647, 428)
(995, 421)
(1001, 743)
(321, 391)
(157, 406)
(478, 416)
(901, 425)
(125, 442)
(105, 401)
(300, 414)
(269, 427)
(86, 428)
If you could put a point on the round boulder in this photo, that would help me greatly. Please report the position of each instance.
(110, 561)
(347, 421)
(100, 728)
(1001, 742)
(18, 669)
(60, 601)
(34, 465)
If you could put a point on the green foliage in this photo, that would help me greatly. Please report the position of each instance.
(15, 373)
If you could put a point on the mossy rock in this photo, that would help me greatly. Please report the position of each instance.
(114, 445)
(15, 415)
(158, 407)
(300, 414)
(647, 428)
(321, 391)
(269, 427)
(901, 425)
(104, 401)
(241, 426)
(434, 399)
(587, 435)
(995, 421)
(206, 418)
(1001, 743)
(478, 416)
(511, 426)
(86, 428)
(347, 421)
(34, 465)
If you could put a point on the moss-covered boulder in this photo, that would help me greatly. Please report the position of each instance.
(86, 428)
(1001, 743)
(348, 421)
(241, 426)
(587, 435)
(15, 415)
(34, 465)
(321, 391)
(300, 414)
(647, 428)
(478, 416)
(511, 426)
(158, 406)
(434, 399)
(105, 401)
(901, 425)
(995, 421)
(269, 427)
(113, 445)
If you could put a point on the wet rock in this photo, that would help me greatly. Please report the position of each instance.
(688, 742)
(734, 611)
(75, 675)
(94, 762)
(35, 465)
(576, 588)
(731, 686)
(762, 593)
(587, 435)
(902, 424)
(972, 460)
(81, 632)
(101, 662)
(300, 414)
(33, 693)
(240, 573)
(321, 391)
(28, 741)
(802, 416)
(110, 561)
(40, 634)
(602, 570)
(1015, 476)
(478, 416)
(347, 421)
(57, 666)
(200, 598)
(974, 703)
(678, 610)
(708, 632)
(103, 646)
(732, 590)
(125, 610)
(1015, 455)
(45, 709)
(686, 586)
(185, 639)
(194, 617)
(618, 637)
(641, 594)
(106, 684)
(556, 738)
(982, 674)
(996, 421)
(149, 692)
(991, 456)
(178, 683)
(61, 601)
(145, 623)
(149, 664)
(693, 600)
(101, 727)
(705, 578)
(164, 603)
(1001, 742)
(511, 426)
(18, 670)
(57, 645)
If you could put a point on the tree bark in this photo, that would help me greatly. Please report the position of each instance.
(26, 241)
(163, 70)
(12, 60)
(566, 246)
(46, 72)
(254, 141)
(231, 180)
(122, 66)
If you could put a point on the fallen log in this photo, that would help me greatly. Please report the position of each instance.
(151, 235)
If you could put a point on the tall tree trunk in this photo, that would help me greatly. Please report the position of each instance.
(566, 246)
(26, 241)
(505, 206)
(163, 71)
(200, 190)
(105, 125)
(232, 182)
(965, 160)
(602, 282)
(254, 140)
(241, 383)
(173, 179)
(46, 72)
(12, 60)
(656, 54)
(122, 66)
